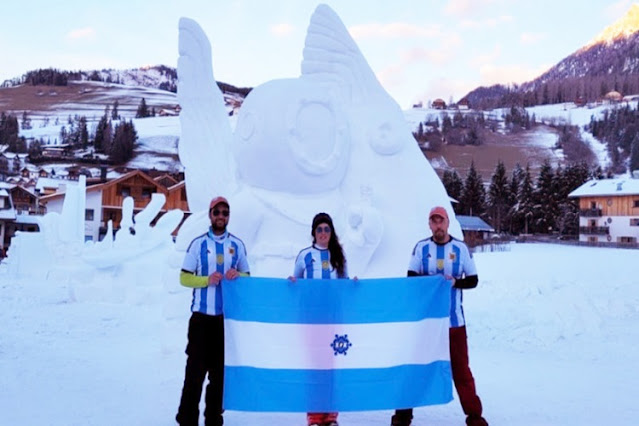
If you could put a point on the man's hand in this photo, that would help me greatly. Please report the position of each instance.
(450, 278)
(292, 279)
(215, 278)
(231, 274)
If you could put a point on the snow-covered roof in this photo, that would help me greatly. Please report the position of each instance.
(618, 186)
(5, 185)
(53, 183)
(4, 193)
(473, 223)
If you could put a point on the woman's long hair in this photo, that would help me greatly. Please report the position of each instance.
(338, 261)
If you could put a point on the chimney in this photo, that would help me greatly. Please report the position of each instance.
(103, 174)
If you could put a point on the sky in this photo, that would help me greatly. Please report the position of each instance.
(420, 50)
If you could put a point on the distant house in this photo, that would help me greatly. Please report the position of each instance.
(608, 210)
(463, 104)
(164, 112)
(438, 104)
(7, 215)
(165, 180)
(104, 200)
(613, 97)
(580, 101)
(474, 228)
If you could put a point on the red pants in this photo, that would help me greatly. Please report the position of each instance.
(462, 376)
(321, 418)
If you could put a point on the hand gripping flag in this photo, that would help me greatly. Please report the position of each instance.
(336, 345)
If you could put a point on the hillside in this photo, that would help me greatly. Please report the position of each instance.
(49, 108)
(610, 61)
(86, 98)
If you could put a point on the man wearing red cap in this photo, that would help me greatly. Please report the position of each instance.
(211, 259)
(445, 255)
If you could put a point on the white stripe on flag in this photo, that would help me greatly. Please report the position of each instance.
(308, 346)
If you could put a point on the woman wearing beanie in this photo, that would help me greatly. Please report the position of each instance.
(324, 259)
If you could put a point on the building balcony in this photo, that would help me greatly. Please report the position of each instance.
(590, 212)
(594, 230)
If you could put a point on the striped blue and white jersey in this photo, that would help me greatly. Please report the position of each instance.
(313, 262)
(452, 258)
(209, 253)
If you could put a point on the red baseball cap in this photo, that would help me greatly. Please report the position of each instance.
(217, 200)
(438, 211)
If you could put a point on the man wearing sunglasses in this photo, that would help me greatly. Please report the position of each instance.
(211, 259)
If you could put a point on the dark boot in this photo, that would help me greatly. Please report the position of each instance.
(474, 420)
(402, 417)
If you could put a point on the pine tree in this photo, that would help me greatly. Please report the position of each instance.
(35, 150)
(98, 140)
(473, 194)
(546, 200)
(123, 142)
(83, 133)
(143, 110)
(524, 210)
(499, 197)
(115, 115)
(454, 186)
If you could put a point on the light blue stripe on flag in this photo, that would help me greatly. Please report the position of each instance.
(395, 329)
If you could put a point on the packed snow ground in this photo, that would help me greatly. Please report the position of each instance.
(551, 341)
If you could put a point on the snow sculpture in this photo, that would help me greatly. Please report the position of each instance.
(132, 254)
(331, 140)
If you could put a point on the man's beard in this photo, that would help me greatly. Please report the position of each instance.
(218, 229)
(440, 236)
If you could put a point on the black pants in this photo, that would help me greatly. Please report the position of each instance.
(205, 354)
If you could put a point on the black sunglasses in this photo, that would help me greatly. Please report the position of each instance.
(325, 229)
(217, 212)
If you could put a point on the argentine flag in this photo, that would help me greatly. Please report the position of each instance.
(336, 345)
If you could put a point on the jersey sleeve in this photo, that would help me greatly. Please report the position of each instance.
(298, 270)
(415, 262)
(191, 258)
(468, 262)
(242, 261)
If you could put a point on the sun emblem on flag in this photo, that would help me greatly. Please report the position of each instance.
(341, 344)
(220, 259)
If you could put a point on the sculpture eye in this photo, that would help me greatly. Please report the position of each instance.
(315, 130)
(317, 137)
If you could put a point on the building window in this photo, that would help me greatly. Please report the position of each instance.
(126, 191)
(634, 221)
(88, 214)
(627, 240)
(88, 238)
(146, 192)
(636, 205)
(592, 239)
